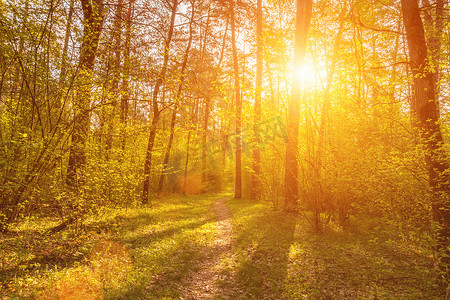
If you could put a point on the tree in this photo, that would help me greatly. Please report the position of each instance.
(116, 37)
(62, 76)
(303, 19)
(124, 105)
(434, 28)
(156, 112)
(426, 110)
(238, 102)
(323, 129)
(93, 20)
(256, 175)
(177, 100)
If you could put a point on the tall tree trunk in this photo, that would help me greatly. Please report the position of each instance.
(303, 19)
(126, 74)
(208, 100)
(435, 26)
(117, 37)
(426, 110)
(17, 78)
(62, 76)
(177, 102)
(324, 126)
(256, 174)
(93, 20)
(273, 105)
(204, 139)
(203, 48)
(188, 143)
(326, 105)
(156, 112)
(237, 89)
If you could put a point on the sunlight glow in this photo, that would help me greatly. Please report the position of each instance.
(305, 74)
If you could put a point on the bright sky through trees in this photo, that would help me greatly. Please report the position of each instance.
(310, 76)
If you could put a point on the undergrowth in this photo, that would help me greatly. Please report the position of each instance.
(279, 256)
(151, 253)
(119, 254)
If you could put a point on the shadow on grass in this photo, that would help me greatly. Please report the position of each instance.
(262, 245)
(36, 254)
(161, 280)
(165, 252)
(36, 251)
(280, 256)
(146, 239)
(348, 265)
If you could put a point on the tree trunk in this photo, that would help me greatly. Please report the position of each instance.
(256, 174)
(17, 76)
(303, 18)
(324, 126)
(177, 102)
(325, 109)
(426, 111)
(117, 37)
(435, 26)
(186, 162)
(93, 20)
(237, 89)
(62, 76)
(204, 139)
(156, 112)
(126, 74)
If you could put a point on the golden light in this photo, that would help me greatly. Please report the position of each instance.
(305, 74)
(108, 265)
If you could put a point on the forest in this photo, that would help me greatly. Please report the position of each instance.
(224, 149)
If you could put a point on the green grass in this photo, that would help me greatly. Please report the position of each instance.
(165, 246)
(279, 256)
(164, 243)
(149, 253)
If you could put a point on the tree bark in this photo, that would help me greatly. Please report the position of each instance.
(93, 21)
(17, 76)
(435, 26)
(426, 111)
(156, 112)
(303, 19)
(186, 161)
(124, 106)
(204, 139)
(177, 102)
(62, 76)
(256, 174)
(326, 105)
(117, 38)
(237, 89)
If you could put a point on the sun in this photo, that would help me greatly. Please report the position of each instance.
(305, 74)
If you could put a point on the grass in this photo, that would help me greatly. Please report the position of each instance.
(279, 256)
(124, 254)
(166, 248)
(150, 253)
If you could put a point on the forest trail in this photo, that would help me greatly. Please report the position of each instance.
(214, 247)
(203, 283)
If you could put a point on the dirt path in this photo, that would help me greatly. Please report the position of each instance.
(203, 284)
